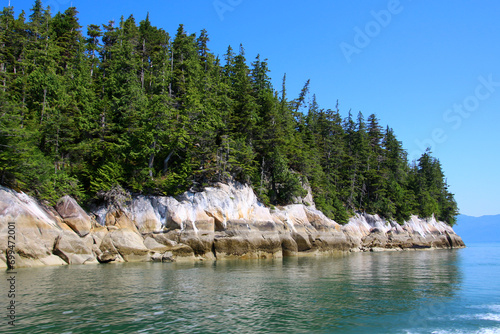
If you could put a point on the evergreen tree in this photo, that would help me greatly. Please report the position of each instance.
(398, 200)
(375, 182)
(65, 31)
(93, 45)
(128, 106)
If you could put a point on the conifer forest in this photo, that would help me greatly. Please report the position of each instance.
(84, 110)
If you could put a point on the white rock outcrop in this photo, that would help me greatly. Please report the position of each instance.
(223, 221)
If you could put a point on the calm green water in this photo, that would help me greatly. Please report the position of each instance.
(443, 291)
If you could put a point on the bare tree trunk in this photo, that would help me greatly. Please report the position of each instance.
(3, 67)
(23, 105)
(103, 124)
(261, 177)
(142, 62)
(44, 104)
(227, 159)
(151, 161)
(92, 62)
(351, 196)
(163, 79)
(165, 162)
(171, 71)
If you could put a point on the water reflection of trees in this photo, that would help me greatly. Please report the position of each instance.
(289, 295)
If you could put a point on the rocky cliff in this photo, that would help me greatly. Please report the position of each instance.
(224, 221)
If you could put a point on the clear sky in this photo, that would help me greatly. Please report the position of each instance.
(429, 69)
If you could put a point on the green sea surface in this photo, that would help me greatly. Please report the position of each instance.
(434, 291)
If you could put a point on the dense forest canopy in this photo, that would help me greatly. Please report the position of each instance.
(128, 105)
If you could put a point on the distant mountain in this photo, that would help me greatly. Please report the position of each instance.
(478, 229)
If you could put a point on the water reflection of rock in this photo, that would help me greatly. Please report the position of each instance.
(296, 294)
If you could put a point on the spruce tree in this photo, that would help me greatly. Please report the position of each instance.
(128, 106)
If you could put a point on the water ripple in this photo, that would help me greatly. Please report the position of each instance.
(408, 292)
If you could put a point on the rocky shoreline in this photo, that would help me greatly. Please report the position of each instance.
(223, 221)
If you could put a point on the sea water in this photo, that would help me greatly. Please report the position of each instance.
(433, 291)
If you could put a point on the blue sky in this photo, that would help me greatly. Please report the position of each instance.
(429, 69)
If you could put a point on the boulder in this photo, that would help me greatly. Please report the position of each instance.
(376, 239)
(73, 249)
(157, 257)
(34, 227)
(50, 260)
(175, 214)
(120, 219)
(169, 239)
(288, 245)
(126, 243)
(74, 216)
(454, 240)
(398, 240)
(98, 234)
(329, 236)
(154, 245)
(245, 239)
(107, 252)
(179, 253)
(199, 234)
(144, 215)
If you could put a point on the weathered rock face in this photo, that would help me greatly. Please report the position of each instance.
(370, 232)
(74, 250)
(35, 229)
(74, 216)
(224, 221)
(125, 244)
(241, 238)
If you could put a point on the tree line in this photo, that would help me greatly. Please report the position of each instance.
(129, 105)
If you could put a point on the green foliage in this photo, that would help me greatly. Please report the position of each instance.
(429, 185)
(129, 107)
(108, 176)
(286, 184)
